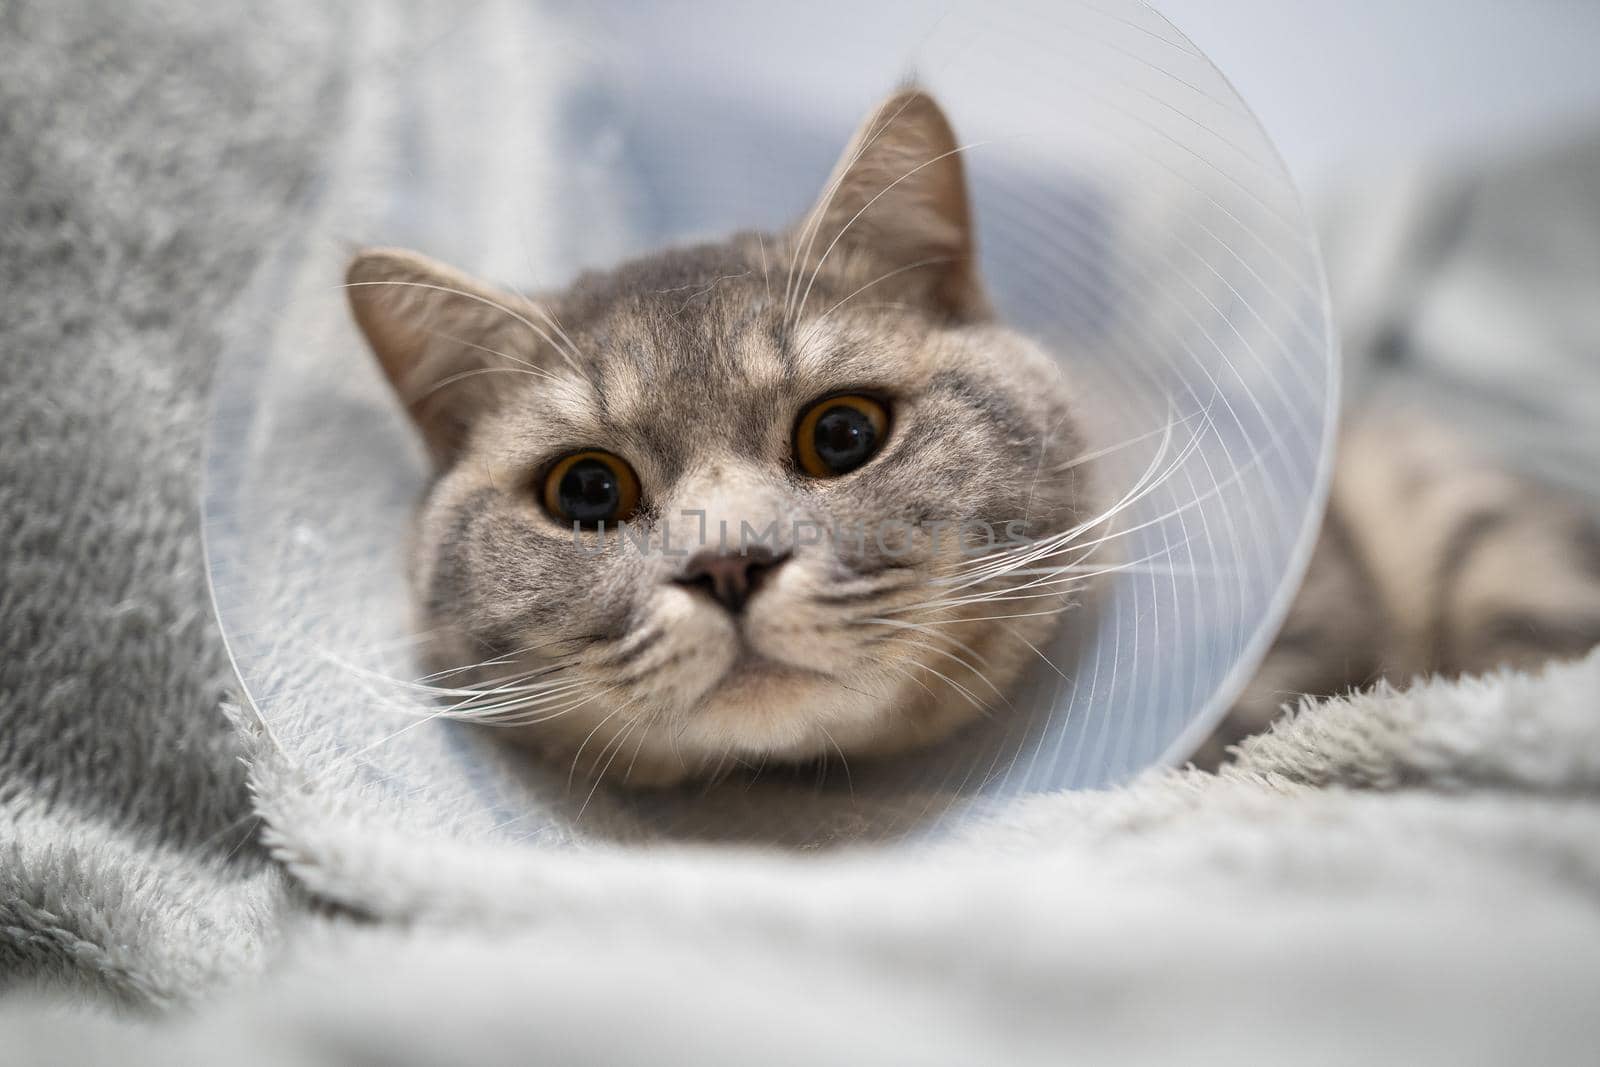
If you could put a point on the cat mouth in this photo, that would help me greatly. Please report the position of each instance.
(754, 668)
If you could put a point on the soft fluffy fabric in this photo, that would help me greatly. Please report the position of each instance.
(1403, 876)
(149, 156)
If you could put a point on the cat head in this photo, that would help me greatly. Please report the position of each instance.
(826, 454)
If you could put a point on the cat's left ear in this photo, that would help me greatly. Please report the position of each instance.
(899, 193)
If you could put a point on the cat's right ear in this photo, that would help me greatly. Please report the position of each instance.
(899, 192)
(434, 330)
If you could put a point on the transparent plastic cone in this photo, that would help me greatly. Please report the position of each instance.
(1132, 217)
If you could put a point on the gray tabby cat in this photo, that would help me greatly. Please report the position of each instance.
(821, 445)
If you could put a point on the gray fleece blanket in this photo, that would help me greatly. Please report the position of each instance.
(1401, 875)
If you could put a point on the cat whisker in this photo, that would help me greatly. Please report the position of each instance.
(1003, 560)
(445, 713)
(929, 262)
(536, 716)
(922, 628)
(967, 694)
(578, 755)
(766, 278)
(1048, 661)
(964, 620)
(849, 780)
(638, 747)
(700, 290)
(994, 597)
(1107, 450)
(504, 658)
(538, 331)
(975, 672)
(501, 684)
(719, 772)
(528, 681)
(1073, 568)
(475, 372)
(906, 673)
(1007, 561)
(619, 740)
(499, 660)
(532, 368)
(1153, 476)
(514, 687)
(555, 324)
(889, 305)
(518, 703)
(501, 711)
(1070, 574)
(958, 599)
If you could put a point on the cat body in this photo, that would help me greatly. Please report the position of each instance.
(1433, 560)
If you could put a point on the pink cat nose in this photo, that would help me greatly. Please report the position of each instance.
(730, 576)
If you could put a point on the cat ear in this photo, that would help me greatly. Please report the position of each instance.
(433, 330)
(899, 192)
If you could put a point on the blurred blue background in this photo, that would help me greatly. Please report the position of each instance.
(1344, 88)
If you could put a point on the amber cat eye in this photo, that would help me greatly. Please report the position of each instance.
(591, 487)
(837, 434)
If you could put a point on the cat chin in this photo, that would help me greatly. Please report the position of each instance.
(765, 711)
(779, 712)
(772, 720)
(775, 715)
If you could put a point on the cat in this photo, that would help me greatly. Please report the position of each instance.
(842, 390)
(777, 497)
